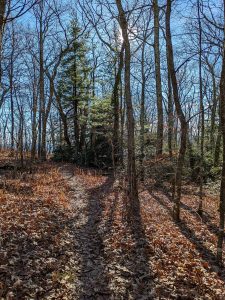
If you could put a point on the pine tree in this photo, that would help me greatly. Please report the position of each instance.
(73, 86)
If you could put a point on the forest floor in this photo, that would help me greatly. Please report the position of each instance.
(64, 234)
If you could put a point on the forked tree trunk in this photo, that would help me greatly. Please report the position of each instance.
(180, 114)
(131, 166)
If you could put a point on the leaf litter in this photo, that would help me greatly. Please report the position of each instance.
(65, 235)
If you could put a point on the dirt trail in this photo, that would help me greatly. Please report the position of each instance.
(143, 258)
(103, 272)
(65, 235)
(93, 282)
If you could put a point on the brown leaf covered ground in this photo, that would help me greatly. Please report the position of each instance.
(65, 235)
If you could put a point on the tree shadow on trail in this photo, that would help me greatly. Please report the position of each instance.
(206, 254)
(206, 217)
(93, 275)
(142, 281)
(132, 277)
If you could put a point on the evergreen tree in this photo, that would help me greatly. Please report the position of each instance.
(101, 133)
(91, 136)
(74, 86)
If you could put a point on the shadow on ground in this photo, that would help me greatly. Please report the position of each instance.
(164, 199)
(93, 274)
(130, 267)
(34, 253)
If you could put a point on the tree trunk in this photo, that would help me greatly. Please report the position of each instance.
(11, 90)
(53, 142)
(213, 114)
(170, 112)
(63, 119)
(131, 165)
(75, 125)
(2, 23)
(202, 124)
(122, 121)
(42, 86)
(170, 118)
(217, 147)
(2, 18)
(115, 104)
(180, 114)
(142, 116)
(83, 133)
(222, 188)
(39, 131)
(34, 127)
(45, 118)
(159, 145)
(34, 117)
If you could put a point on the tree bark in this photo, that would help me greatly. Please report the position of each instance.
(170, 117)
(2, 23)
(170, 109)
(2, 18)
(180, 114)
(131, 165)
(159, 145)
(34, 126)
(11, 75)
(214, 109)
(202, 122)
(122, 121)
(222, 188)
(42, 153)
(217, 147)
(63, 119)
(116, 108)
(142, 116)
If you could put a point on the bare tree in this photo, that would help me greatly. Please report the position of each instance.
(131, 166)
(222, 188)
(202, 114)
(159, 145)
(180, 114)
